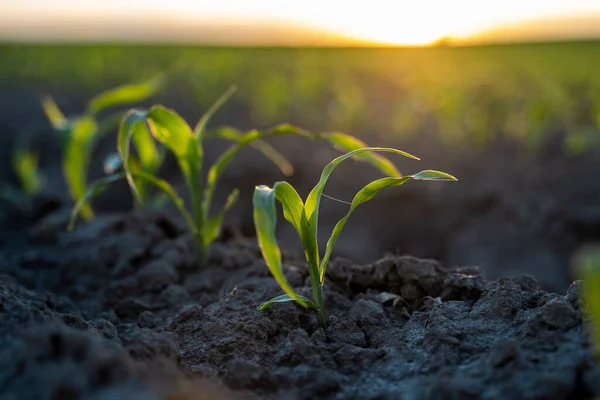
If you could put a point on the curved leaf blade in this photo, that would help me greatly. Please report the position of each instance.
(293, 212)
(366, 194)
(433, 175)
(55, 116)
(268, 151)
(265, 220)
(149, 156)
(84, 129)
(363, 195)
(76, 158)
(289, 129)
(218, 168)
(284, 298)
(168, 190)
(275, 156)
(201, 125)
(345, 143)
(25, 165)
(292, 204)
(126, 129)
(314, 197)
(124, 94)
(587, 263)
(214, 224)
(93, 190)
(110, 122)
(169, 128)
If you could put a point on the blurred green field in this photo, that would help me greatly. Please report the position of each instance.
(467, 95)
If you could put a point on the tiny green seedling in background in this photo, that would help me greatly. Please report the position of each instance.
(304, 216)
(588, 269)
(79, 133)
(159, 124)
(24, 163)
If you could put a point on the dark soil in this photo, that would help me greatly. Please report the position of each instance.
(512, 211)
(120, 309)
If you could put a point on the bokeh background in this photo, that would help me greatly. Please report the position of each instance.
(506, 97)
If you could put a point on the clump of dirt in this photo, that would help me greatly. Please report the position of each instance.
(120, 309)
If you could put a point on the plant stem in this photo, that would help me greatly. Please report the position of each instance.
(317, 288)
(195, 187)
(321, 317)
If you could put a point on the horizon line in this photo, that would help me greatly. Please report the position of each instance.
(259, 32)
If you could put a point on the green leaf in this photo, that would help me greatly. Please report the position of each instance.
(345, 142)
(432, 175)
(53, 113)
(288, 129)
(265, 220)
(130, 120)
(366, 194)
(363, 195)
(292, 205)
(168, 190)
(201, 125)
(588, 269)
(124, 94)
(275, 156)
(110, 123)
(293, 212)
(73, 165)
(25, 165)
(170, 129)
(268, 151)
(150, 157)
(284, 299)
(84, 129)
(92, 191)
(226, 133)
(76, 159)
(314, 197)
(216, 170)
(213, 227)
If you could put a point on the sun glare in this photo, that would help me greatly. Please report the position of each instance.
(391, 22)
(396, 22)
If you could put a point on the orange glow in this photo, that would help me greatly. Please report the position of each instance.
(393, 22)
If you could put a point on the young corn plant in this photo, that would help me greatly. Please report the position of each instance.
(24, 163)
(145, 128)
(79, 133)
(588, 269)
(25, 166)
(304, 217)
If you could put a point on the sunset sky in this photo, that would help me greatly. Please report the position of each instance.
(381, 21)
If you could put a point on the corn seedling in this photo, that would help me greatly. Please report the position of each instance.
(24, 163)
(25, 166)
(304, 216)
(588, 269)
(159, 124)
(79, 133)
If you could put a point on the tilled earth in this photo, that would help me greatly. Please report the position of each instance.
(120, 309)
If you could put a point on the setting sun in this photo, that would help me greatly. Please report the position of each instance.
(377, 21)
